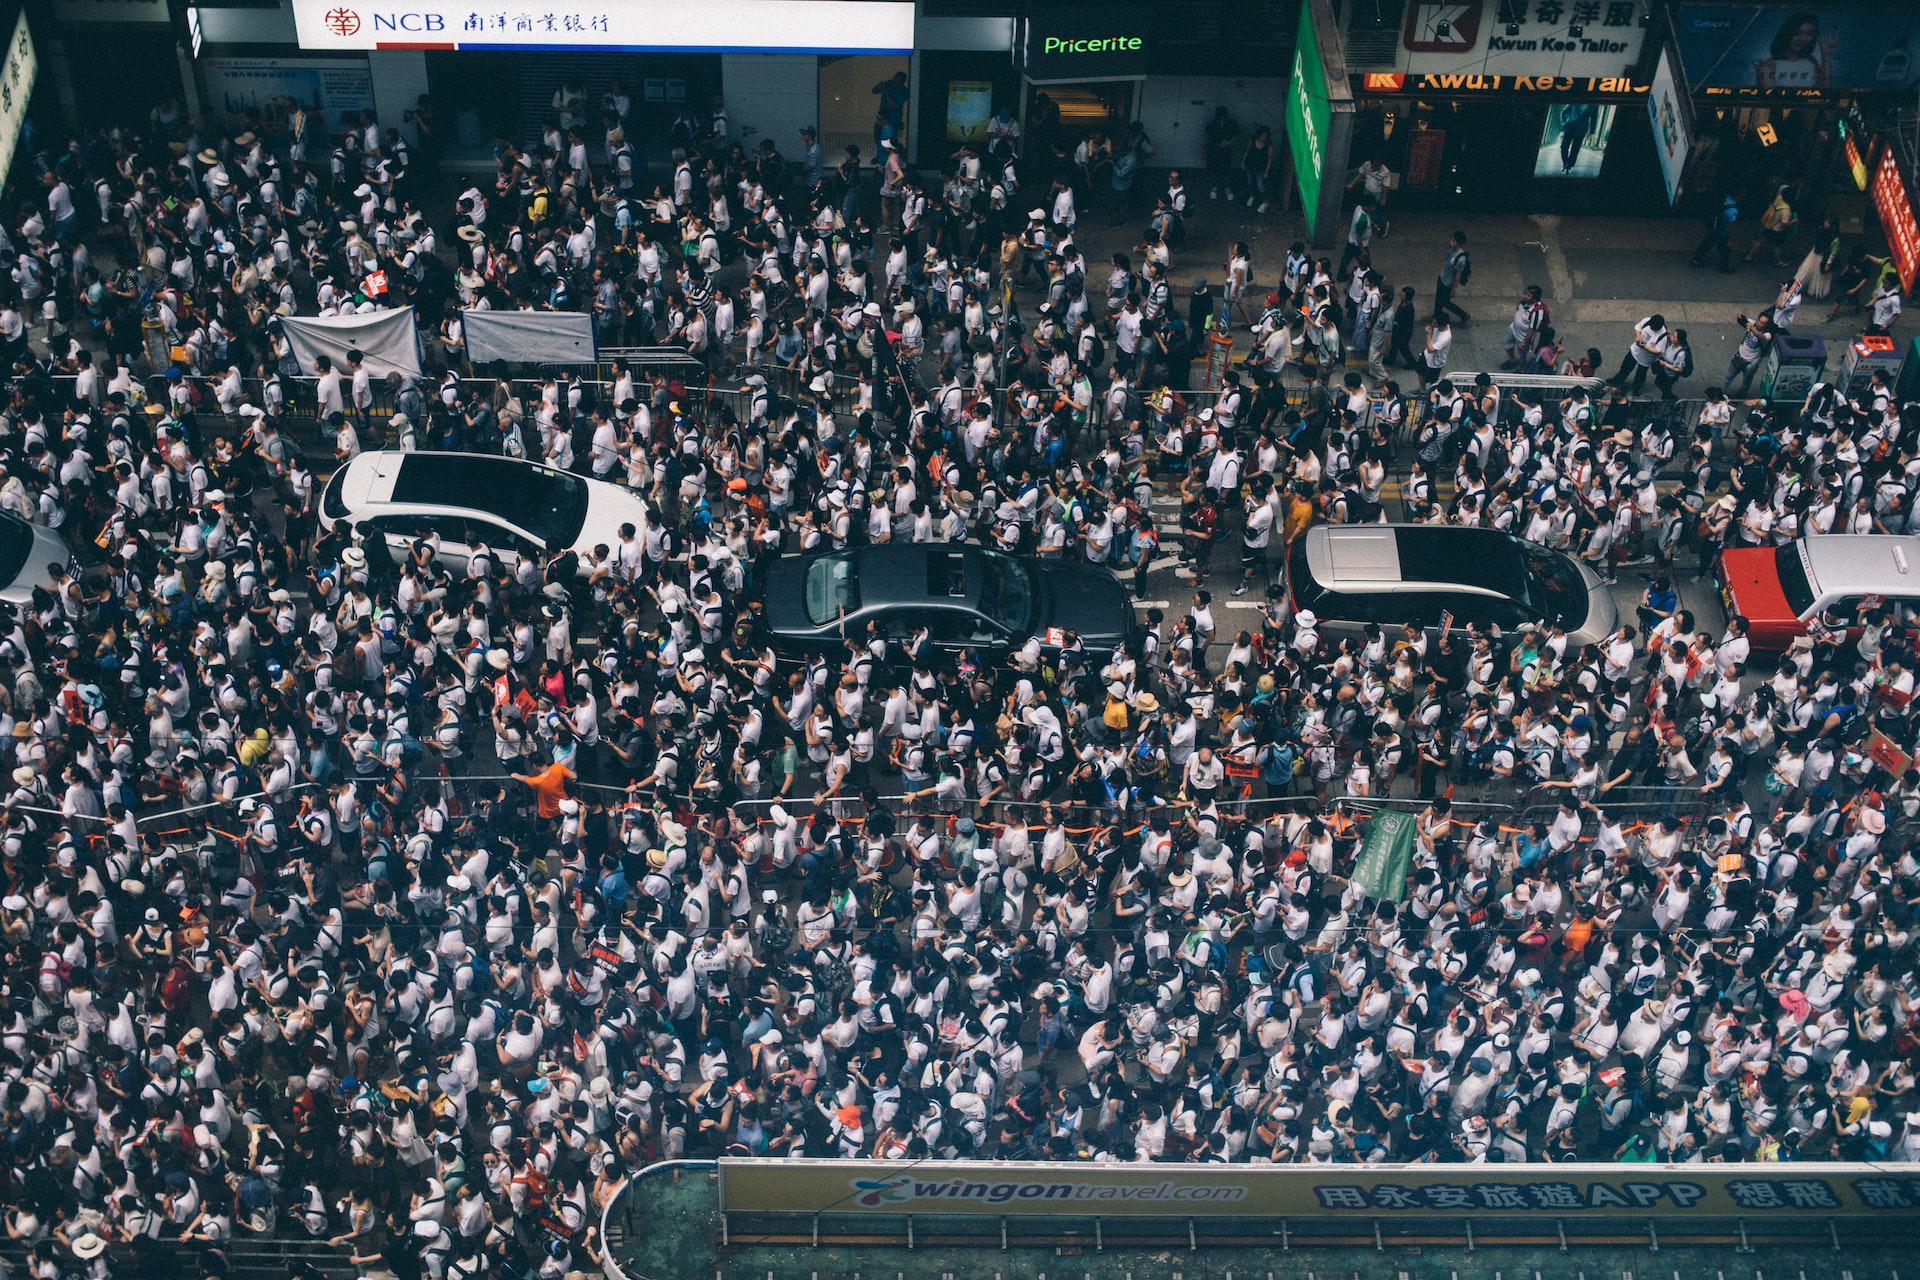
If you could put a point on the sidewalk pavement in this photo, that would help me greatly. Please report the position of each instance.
(1599, 276)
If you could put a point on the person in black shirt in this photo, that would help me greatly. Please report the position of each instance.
(1405, 321)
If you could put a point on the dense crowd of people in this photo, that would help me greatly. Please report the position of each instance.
(411, 905)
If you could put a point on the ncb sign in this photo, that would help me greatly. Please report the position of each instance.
(753, 26)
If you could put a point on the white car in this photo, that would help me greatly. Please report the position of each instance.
(28, 553)
(517, 508)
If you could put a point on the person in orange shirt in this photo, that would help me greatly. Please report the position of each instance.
(1573, 943)
(1298, 514)
(549, 788)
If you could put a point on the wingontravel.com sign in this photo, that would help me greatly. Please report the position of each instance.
(854, 1187)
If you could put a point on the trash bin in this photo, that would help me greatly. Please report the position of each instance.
(1794, 364)
(1866, 353)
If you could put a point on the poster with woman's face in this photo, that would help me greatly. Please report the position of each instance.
(1800, 52)
(1574, 142)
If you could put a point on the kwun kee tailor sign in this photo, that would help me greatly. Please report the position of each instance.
(1387, 84)
(1579, 38)
(1555, 44)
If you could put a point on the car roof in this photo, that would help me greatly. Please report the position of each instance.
(455, 479)
(1402, 557)
(1863, 564)
(435, 483)
(904, 572)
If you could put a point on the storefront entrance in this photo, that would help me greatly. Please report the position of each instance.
(1059, 116)
(849, 107)
(481, 95)
(1514, 154)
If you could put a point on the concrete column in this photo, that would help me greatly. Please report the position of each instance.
(771, 95)
(399, 78)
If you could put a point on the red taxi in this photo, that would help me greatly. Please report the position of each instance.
(1826, 581)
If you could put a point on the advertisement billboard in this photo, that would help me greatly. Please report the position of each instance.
(1543, 1191)
(269, 89)
(1520, 37)
(1667, 111)
(1799, 52)
(1574, 142)
(969, 108)
(1891, 203)
(1309, 118)
(150, 11)
(710, 26)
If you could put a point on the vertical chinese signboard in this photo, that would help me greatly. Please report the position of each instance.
(16, 90)
(1890, 201)
(1853, 144)
(1309, 119)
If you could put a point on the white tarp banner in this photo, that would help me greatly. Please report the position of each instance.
(531, 337)
(385, 338)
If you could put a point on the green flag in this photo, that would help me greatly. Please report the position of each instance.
(1386, 856)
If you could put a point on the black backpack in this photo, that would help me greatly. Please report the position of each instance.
(1096, 351)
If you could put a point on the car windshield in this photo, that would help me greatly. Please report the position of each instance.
(551, 505)
(1791, 568)
(1303, 589)
(832, 586)
(1545, 583)
(16, 543)
(1006, 592)
(1553, 587)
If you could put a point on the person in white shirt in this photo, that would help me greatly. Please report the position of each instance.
(1885, 305)
(327, 388)
(1649, 343)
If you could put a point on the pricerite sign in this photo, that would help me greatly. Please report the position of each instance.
(1522, 37)
(728, 26)
(1088, 44)
(1309, 118)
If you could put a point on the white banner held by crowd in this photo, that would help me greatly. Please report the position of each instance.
(385, 338)
(529, 337)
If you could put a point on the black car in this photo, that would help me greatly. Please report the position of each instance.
(966, 597)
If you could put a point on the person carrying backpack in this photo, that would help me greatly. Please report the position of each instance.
(1455, 273)
(1675, 363)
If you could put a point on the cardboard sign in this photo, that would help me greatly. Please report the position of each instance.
(1886, 753)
